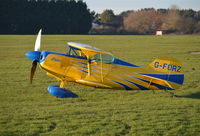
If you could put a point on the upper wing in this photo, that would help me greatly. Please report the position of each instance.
(87, 49)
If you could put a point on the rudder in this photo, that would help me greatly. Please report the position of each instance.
(169, 69)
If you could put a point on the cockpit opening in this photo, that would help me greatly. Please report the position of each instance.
(98, 57)
(72, 51)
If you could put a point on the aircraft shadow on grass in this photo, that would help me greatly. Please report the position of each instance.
(192, 95)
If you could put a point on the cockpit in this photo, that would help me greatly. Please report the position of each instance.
(92, 54)
(75, 52)
(104, 58)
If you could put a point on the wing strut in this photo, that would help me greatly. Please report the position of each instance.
(101, 67)
(89, 65)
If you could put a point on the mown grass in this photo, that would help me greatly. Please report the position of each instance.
(29, 110)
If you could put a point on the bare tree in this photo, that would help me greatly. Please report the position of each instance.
(143, 21)
(172, 20)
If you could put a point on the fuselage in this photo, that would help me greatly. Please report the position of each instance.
(116, 75)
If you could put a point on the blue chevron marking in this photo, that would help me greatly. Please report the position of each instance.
(125, 86)
(139, 86)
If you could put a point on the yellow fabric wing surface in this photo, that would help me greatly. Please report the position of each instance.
(87, 49)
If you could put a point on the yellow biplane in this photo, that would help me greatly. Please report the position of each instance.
(90, 66)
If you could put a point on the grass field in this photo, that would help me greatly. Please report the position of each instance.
(29, 110)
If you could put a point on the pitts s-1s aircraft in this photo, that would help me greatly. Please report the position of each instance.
(90, 66)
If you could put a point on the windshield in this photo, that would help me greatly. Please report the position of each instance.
(106, 59)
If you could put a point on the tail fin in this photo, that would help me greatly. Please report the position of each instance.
(168, 70)
(167, 65)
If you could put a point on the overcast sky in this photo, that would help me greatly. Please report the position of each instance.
(122, 5)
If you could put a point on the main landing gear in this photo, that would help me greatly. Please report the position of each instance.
(60, 91)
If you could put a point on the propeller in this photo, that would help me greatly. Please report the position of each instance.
(35, 55)
(33, 68)
(38, 41)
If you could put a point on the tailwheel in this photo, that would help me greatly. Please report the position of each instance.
(172, 94)
(60, 91)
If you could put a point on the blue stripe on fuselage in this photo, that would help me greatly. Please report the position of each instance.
(123, 63)
(116, 61)
(139, 86)
(175, 78)
(125, 86)
(81, 70)
(156, 85)
(44, 54)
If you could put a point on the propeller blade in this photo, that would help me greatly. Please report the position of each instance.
(38, 41)
(33, 68)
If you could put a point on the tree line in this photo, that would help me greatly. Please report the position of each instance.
(74, 17)
(149, 20)
(53, 16)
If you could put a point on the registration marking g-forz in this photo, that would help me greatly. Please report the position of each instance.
(167, 66)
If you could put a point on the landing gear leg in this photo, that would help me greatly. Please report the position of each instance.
(63, 84)
(171, 94)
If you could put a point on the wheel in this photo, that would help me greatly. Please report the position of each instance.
(56, 91)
